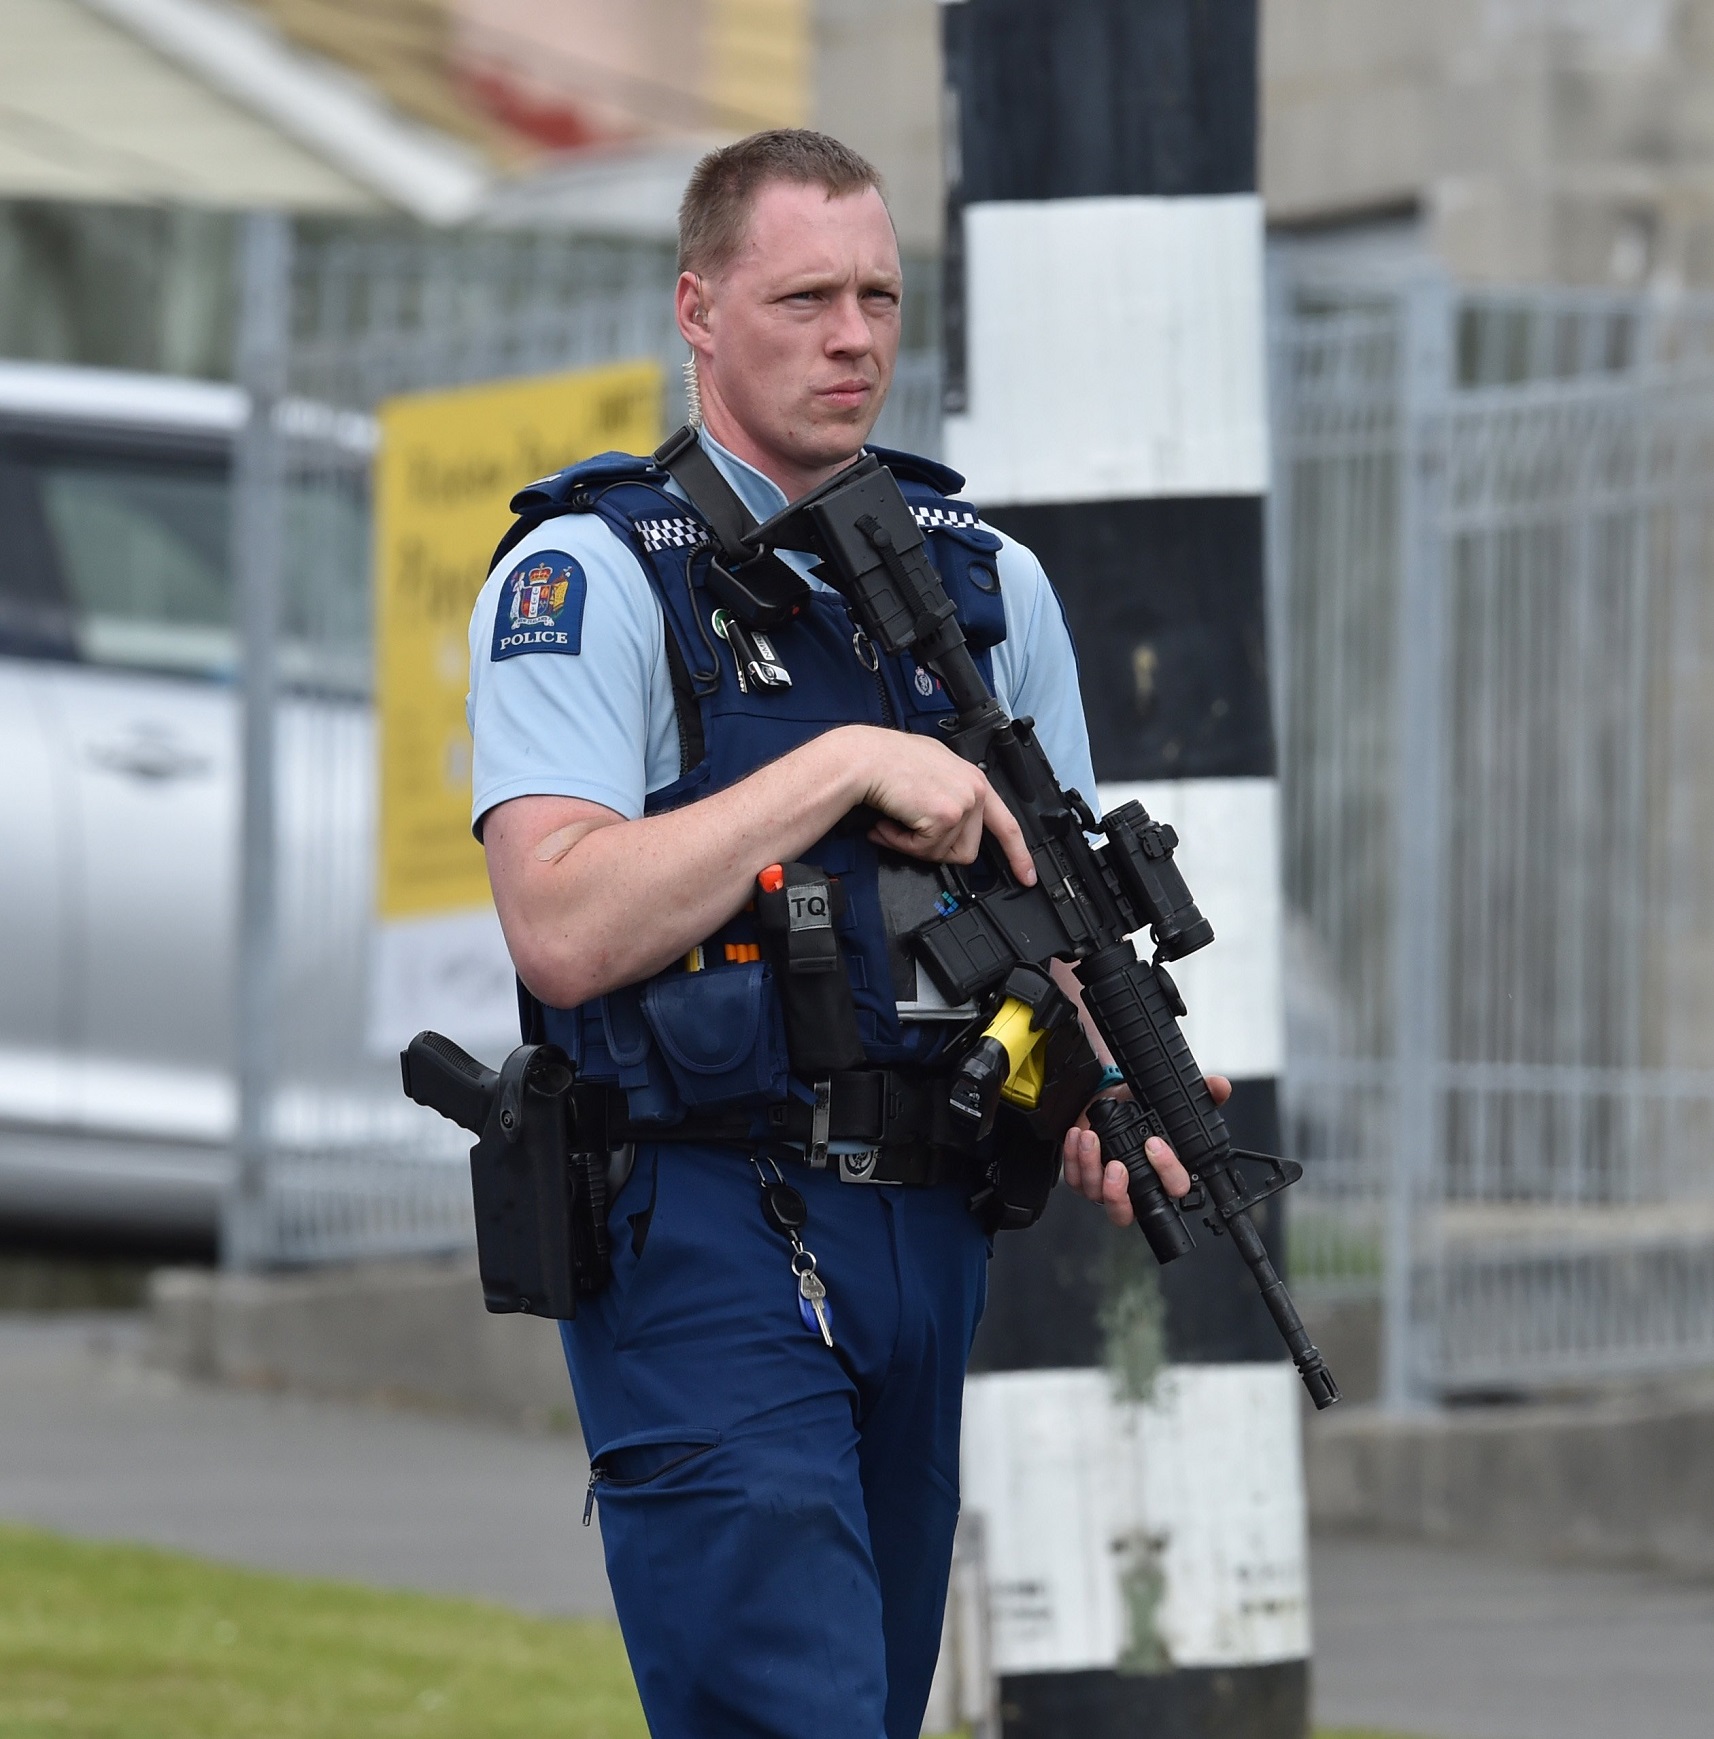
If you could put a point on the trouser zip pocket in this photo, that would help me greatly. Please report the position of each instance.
(637, 1461)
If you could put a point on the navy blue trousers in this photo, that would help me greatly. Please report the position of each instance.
(777, 1517)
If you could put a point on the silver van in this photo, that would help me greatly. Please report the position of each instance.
(119, 804)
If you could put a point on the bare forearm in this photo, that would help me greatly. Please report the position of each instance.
(622, 901)
(1068, 981)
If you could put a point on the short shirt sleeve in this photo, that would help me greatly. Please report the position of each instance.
(1035, 668)
(570, 695)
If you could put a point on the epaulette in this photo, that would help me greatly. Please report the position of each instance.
(554, 494)
(914, 468)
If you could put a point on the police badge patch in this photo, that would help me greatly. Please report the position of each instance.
(541, 606)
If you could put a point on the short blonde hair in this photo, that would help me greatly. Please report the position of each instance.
(715, 210)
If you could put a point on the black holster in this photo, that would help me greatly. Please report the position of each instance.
(538, 1171)
(1023, 1152)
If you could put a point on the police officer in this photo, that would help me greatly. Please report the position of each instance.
(771, 1404)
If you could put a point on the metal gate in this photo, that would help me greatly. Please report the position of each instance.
(1492, 552)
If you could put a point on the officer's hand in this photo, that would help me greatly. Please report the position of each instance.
(934, 804)
(1110, 1184)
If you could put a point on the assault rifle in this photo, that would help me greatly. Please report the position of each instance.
(991, 934)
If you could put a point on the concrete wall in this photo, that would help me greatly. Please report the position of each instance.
(1621, 1482)
(408, 1331)
(1541, 140)
(1352, 98)
(876, 85)
(1621, 1477)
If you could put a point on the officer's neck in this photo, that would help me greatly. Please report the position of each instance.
(794, 480)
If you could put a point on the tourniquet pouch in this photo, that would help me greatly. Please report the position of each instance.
(798, 922)
(721, 1033)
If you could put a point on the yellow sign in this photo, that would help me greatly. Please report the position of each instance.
(449, 463)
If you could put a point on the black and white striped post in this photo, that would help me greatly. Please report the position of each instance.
(1106, 398)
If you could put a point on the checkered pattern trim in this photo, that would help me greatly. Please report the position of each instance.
(933, 518)
(681, 533)
(660, 534)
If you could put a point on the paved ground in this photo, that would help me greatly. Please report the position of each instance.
(1456, 1645)
(1448, 1645)
(93, 1444)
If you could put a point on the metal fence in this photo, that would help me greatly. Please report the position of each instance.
(333, 1162)
(1492, 551)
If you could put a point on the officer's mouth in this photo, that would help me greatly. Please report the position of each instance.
(846, 395)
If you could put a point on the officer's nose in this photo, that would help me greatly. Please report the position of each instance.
(850, 335)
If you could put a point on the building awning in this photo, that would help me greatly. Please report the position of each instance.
(182, 101)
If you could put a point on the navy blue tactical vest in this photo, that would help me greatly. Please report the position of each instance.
(714, 1038)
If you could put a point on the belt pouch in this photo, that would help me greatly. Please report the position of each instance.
(720, 1033)
(796, 921)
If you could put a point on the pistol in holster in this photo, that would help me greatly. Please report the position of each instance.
(538, 1171)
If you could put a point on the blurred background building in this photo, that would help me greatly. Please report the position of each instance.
(1510, 141)
(127, 127)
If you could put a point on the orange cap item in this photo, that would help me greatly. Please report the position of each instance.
(772, 879)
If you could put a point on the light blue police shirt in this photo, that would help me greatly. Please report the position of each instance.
(569, 690)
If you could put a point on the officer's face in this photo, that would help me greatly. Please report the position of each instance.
(797, 337)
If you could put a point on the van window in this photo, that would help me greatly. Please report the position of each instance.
(143, 554)
(135, 557)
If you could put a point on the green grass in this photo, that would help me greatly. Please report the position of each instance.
(105, 1641)
(1357, 1733)
(125, 1642)
(35, 1282)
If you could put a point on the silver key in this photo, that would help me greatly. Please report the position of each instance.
(814, 1294)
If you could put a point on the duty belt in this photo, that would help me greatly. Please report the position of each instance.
(881, 1125)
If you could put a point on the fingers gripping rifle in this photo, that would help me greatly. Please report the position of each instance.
(538, 1174)
(1086, 903)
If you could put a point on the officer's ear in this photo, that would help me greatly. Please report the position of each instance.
(691, 302)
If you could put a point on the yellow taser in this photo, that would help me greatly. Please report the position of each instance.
(1026, 1052)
